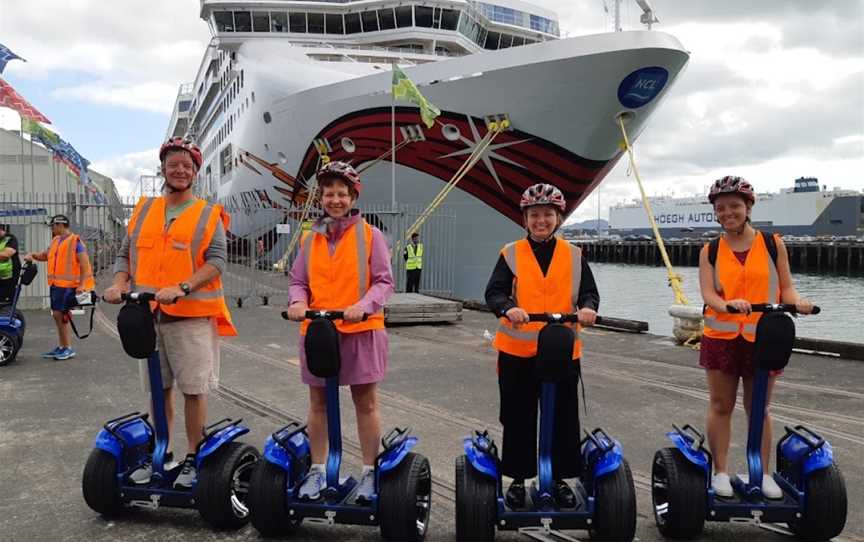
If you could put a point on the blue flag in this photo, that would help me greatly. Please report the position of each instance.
(6, 55)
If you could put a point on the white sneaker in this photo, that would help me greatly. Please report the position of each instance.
(366, 486)
(770, 488)
(315, 482)
(721, 485)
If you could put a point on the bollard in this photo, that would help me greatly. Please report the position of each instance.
(686, 322)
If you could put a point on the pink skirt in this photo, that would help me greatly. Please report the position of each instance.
(364, 359)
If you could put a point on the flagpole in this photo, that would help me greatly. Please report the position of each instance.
(23, 180)
(393, 147)
(32, 166)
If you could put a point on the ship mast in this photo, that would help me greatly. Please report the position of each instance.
(647, 18)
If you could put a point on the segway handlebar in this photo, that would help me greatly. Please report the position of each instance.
(557, 317)
(325, 314)
(773, 307)
(142, 297)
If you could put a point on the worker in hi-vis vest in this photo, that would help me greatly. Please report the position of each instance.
(413, 256)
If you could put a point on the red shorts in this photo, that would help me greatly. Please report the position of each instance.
(733, 356)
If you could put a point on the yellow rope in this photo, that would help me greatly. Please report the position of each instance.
(674, 278)
(383, 156)
(311, 196)
(476, 155)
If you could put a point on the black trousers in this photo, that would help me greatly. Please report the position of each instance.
(412, 283)
(7, 290)
(520, 395)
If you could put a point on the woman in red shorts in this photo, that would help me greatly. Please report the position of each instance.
(745, 272)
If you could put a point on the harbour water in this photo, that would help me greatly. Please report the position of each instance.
(641, 293)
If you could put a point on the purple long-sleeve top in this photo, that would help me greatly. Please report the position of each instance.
(364, 354)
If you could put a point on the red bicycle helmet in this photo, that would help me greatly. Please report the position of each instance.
(543, 194)
(732, 185)
(180, 144)
(341, 170)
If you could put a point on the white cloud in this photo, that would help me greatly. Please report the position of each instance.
(126, 170)
(150, 96)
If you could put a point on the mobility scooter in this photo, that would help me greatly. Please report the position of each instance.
(607, 507)
(125, 444)
(813, 504)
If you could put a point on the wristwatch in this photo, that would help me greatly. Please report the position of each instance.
(185, 287)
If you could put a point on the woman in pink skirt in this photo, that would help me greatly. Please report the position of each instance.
(344, 264)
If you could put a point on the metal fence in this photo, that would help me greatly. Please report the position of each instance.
(102, 226)
(259, 260)
(263, 243)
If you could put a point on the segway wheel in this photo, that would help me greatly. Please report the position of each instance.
(20, 316)
(615, 520)
(475, 504)
(826, 506)
(223, 485)
(9, 346)
(99, 484)
(267, 507)
(405, 500)
(678, 492)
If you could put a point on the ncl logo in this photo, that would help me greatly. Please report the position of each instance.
(642, 86)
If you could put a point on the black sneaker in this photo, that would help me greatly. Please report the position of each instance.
(564, 496)
(186, 478)
(515, 497)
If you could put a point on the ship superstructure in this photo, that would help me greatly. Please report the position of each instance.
(284, 82)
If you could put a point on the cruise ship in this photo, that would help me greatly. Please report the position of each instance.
(284, 82)
(806, 209)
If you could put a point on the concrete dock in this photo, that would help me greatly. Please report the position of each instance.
(441, 382)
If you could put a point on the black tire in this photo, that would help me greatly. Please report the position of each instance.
(825, 511)
(405, 500)
(267, 507)
(99, 484)
(678, 487)
(223, 485)
(615, 520)
(20, 315)
(8, 347)
(476, 504)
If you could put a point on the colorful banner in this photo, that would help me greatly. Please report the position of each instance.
(6, 55)
(37, 130)
(405, 89)
(10, 98)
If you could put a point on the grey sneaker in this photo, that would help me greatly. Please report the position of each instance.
(315, 482)
(188, 474)
(366, 487)
(142, 474)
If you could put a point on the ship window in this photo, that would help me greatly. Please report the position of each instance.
(316, 23)
(261, 21)
(449, 19)
(492, 40)
(224, 21)
(352, 23)
(518, 40)
(225, 158)
(243, 20)
(423, 16)
(334, 23)
(278, 21)
(404, 16)
(387, 19)
(370, 21)
(297, 22)
(506, 41)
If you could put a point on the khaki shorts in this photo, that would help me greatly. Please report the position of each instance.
(189, 355)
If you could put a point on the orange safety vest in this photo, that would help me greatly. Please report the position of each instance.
(160, 257)
(341, 279)
(756, 281)
(557, 292)
(63, 268)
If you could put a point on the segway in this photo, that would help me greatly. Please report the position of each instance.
(12, 323)
(224, 466)
(401, 503)
(814, 493)
(606, 497)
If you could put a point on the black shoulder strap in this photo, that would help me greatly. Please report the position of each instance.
(770, 244)
(713, 246)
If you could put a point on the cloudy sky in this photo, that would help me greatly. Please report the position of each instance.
(774, 89)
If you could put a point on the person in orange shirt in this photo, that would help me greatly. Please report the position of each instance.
(344, 264)
(176, 248)
(744, 272)
(69, 273)
(542, 273)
